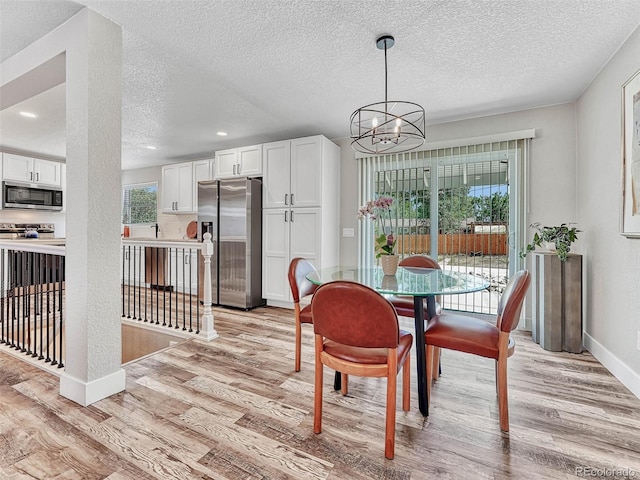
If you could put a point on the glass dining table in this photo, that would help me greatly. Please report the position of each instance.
(420, 283)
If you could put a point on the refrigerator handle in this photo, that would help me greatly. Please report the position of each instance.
(285, 215)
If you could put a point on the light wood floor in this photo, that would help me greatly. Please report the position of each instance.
(235, 409)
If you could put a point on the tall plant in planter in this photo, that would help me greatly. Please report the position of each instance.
(380, 211)
(561, 237)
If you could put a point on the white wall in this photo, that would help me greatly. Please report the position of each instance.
(613, 261)
(552, 167)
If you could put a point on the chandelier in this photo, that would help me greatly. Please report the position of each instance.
(389, 126)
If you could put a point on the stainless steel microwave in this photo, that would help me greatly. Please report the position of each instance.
(30, 196)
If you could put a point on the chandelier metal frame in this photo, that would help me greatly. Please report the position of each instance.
(389, 126)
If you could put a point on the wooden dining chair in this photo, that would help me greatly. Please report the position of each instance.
(357, 333)
(404, 303)
(299, 268)
(478, 337)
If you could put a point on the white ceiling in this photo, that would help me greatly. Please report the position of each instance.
(267, 70)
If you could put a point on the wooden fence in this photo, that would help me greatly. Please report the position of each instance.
(455, 243)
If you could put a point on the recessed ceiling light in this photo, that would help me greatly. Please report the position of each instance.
(28, 114)
(222, 134)
(150, 147)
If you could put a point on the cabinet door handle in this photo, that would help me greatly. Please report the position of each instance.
(37, 177)
(292, 199)
(291, 216)
(234, 168)
(30, 176)
(285, 215)
(286, 199)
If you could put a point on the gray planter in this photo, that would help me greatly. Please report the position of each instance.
(557, 302)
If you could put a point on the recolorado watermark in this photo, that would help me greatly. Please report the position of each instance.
(606, 472)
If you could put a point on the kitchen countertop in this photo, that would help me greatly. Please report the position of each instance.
(150, 240)
(60, 242)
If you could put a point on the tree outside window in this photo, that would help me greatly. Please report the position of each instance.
(140, 204)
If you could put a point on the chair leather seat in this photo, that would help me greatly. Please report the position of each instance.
(370, 356)
(404, 305)
(305, 315)
(463, 333)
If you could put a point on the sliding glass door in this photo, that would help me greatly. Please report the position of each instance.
(460, 205)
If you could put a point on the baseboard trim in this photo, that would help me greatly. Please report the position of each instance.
(86, 393)
(618, 369)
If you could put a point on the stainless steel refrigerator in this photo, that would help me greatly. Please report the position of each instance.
(231, 210)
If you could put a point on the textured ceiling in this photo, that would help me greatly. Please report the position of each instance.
(270, 70)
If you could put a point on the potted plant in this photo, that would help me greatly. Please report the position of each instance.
(561, 237)
(380, 210)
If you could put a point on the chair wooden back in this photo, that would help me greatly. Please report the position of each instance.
(299, 268)
(422, 261)
(353, 314)
(511, 301)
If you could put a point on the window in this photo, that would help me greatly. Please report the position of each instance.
(140, 203)
(461, 205)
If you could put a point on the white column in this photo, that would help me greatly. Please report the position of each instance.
(93, 331)
(207, 331)
(86, 52)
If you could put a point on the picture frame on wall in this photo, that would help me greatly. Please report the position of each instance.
(630, 218)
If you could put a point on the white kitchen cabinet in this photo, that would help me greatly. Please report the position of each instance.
(238, 162)
(293, 172)
(301, 210)
(276, 182)
(287, 234)
(201, 172)
(47, 173)
(275, 254)
(177, 188)
(180, 185)
(183, 270)
(226, 163)
(32, 170)
(250, 161)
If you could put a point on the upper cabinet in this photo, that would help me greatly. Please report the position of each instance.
(180, 185)
(226, 163)
(201, 171)
(293, 172)
(238, 162)
(177, 188)
(32, 170)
